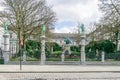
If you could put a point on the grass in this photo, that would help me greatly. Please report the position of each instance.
(28, 59)
(53, 59)
(59, 59)
(47, 59)
(66, 59)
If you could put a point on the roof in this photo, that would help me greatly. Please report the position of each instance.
(64, 35)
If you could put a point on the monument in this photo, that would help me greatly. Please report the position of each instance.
(83, 36)
(43, 56)
(103, 56)
(66, 48)
(6, 43)
(24, 55)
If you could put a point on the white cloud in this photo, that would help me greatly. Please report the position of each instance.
(66, 29)
(85, 11)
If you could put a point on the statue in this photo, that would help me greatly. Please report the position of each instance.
(5, 27)
(66, 48)
(43, 30)
(67, 40)
(82, 28)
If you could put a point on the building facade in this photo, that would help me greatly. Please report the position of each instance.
(13, 41)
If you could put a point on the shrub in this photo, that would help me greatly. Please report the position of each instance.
(104, 45)
(75, 54)
(56, 47)
(75, 48)
(91, 55)
(117, 55)
(57, 54)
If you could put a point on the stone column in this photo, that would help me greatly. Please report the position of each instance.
(24, 56)
(6, 51)
(63, 56)
(51, 49)
(43, 56)
(68, 48)
(83, 49)
(103, 56)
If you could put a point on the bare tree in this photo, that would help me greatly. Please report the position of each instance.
(25, 17)
(93, 29)
(111, 18)
(78, 33)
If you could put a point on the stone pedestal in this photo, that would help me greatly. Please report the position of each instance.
(63, 56)
(66, 48)
(51, 49)
(24, 56)
(83, 49)
(6, 51)
(103, 57)
(43, 56)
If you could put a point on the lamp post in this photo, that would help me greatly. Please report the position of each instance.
(20, 47)
(21, 44)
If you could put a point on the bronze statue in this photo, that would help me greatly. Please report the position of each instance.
(67, 40)
(5, 27)
(82, 28)
(43, 30)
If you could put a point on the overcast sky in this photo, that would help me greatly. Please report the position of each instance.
(69, 12)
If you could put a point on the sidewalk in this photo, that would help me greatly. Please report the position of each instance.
(59, 68)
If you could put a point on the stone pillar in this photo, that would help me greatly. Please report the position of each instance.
(68, 48)
(6, 51)
(51, 49)
(63, 56)
(43, 56)
(103, 56)
(83, 49)
(24, 56)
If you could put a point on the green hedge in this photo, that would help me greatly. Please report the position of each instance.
(27, 58)
(112, 56)
(2, 61)
(56, 54)
(115, 56)
(59, 53)
(34, 48)
(104, 45)
(75, 48)
(91, 55)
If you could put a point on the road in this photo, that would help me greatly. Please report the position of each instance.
(61, 72)
(60, 76)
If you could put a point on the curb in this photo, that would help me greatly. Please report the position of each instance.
(59, 71)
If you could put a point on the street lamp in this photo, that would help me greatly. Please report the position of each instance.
(21, 44)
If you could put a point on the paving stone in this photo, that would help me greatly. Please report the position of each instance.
(60, 76)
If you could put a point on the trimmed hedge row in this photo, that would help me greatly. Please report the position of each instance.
(57, 54)
(104, 45)
(113, 56)
(34, 50)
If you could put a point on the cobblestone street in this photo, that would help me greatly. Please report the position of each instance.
(60, 76)
(60, 72)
